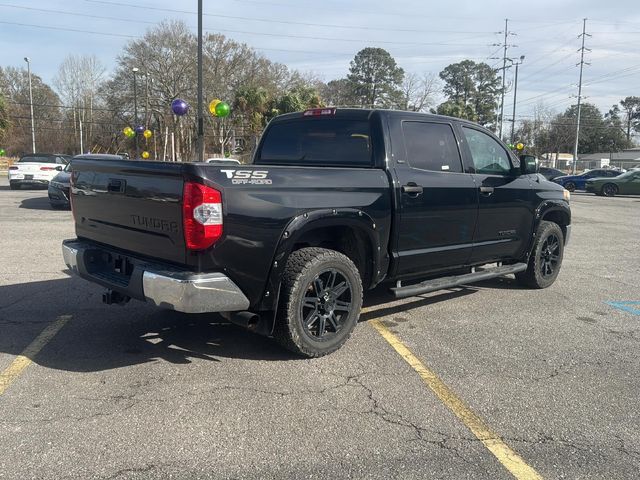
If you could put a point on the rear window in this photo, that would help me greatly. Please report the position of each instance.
(333, 141)
(38, 159)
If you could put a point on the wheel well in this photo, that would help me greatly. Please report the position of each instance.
(558, 217)
(352, 242)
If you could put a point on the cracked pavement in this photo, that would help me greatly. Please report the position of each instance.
(139, 393)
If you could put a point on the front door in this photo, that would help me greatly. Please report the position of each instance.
(505, 207)
(438, 201)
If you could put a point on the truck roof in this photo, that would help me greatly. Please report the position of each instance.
(365, 113)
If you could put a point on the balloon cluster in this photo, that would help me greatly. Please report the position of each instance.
(129, 132)
(2, 152)
(218, 108)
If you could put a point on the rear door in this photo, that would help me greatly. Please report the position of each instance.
(505, 207)
(438, 201)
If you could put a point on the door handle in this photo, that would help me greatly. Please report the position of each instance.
(116, 185)
(412, 189)
(486, 191)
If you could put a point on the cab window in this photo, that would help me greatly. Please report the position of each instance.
(488, 156)
(431, 146)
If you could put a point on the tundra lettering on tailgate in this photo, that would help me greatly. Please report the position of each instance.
(253, 177)
(155, 223)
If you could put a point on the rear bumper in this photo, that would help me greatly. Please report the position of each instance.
(161, 285)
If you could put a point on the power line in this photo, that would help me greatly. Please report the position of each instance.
(582, 64)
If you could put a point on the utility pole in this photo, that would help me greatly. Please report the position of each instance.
(582, 62)
(515, 97)
(200, 142)
(135, 109)
(505, 46)
(33, 126)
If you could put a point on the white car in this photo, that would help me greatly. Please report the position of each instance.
(36, 169)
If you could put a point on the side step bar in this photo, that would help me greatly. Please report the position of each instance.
(457, 280)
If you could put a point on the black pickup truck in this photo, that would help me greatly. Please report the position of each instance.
(336, 201)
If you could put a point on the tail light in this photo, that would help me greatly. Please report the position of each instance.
(14, 168)
(201, 215)
(47, 169)
(72, 182)
(317, 112)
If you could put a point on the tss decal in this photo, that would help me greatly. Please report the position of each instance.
(253, 177)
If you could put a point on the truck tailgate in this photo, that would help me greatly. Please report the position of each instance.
(135, 206)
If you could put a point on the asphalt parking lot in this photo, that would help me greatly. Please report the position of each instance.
(135, 392)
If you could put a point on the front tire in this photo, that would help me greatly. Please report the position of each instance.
(570, 186)
(609, 189)
(320, 304)
(546, 257)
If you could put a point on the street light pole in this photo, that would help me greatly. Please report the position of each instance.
(515, 96)
(135, 109)
(33, 127)
(200, 142)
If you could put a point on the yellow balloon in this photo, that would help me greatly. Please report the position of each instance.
(145, 155)
(147, 134)
(519, 146)
(212, 106)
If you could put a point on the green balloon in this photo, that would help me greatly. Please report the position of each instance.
(2, 152)
(222, 109)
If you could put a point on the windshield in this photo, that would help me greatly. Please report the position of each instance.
(319, 141)
(37, 159)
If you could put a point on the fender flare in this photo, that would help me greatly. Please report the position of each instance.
(312, 220)
(541, 211)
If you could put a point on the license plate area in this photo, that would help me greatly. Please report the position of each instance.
(28, 177)
(109, 267)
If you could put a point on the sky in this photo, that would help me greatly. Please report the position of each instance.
(323, 36)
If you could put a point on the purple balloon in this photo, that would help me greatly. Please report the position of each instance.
(139, 128)
(179, 107)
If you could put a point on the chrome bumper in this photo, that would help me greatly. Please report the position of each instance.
(183, 291)
(193, 293)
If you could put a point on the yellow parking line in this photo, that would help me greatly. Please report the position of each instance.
(25, 359)
(505, 455)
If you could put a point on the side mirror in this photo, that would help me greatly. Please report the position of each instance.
(59, 168)
(528, 164)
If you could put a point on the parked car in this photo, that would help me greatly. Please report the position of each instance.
(59, 185)
(626, 184)
(550, 173)
(36, 169)
(578, 182)
(224, 161)
(337, 201)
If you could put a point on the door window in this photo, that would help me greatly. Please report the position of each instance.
(431, 146)
(488, 156)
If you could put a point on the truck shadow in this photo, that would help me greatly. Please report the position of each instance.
(98, 337)
(36, 203)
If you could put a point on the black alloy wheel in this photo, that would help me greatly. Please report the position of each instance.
(549, 256)
(609, 190)
(570, 186)
(327, 304)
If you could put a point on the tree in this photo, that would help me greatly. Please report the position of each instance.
(472, 91)
(597, 133)
(78, 82)
(418, 92)
(631, 106)
(338, 93)
(375, 79)
(14, 83)
(4, 121)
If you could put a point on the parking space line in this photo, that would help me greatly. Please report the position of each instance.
(22, 361)
(505, 455)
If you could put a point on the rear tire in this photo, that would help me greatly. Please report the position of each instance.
(320, 303)
(609, 189)
(546, 257)
(14, 186)
(570, 186)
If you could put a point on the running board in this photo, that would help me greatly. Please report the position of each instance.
(457, 280)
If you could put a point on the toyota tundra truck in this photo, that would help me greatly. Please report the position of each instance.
(335, 202)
